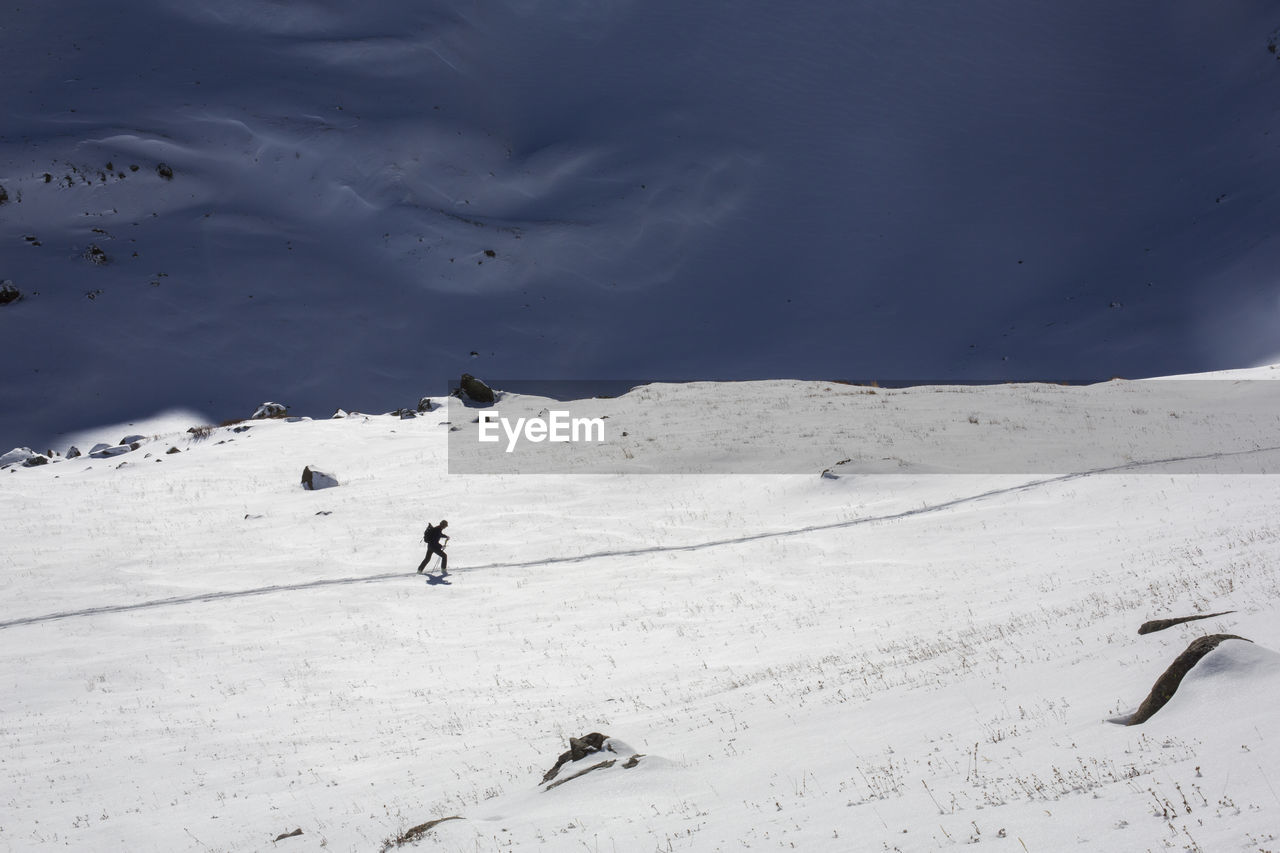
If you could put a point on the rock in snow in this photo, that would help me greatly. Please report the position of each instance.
(475, 390)
(312, 480)
(586, 754)
(17, 456)
(106, 451)
(270, 410)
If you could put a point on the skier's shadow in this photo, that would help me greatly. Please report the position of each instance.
(438, 580)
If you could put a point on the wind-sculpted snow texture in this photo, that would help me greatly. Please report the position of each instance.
(208, 204)
(197, 653)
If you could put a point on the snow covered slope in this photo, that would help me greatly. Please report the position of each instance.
(198, 654)
(324, 203)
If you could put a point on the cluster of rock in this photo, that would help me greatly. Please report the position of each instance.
(270, 410)
(1169, 681)
(425, 405)
(25, 457)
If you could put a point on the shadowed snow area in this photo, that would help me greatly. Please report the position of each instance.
(198, 653)
(296, 200)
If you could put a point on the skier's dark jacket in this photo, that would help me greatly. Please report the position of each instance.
(432, 535)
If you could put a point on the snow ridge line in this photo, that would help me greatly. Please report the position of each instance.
(634, 552)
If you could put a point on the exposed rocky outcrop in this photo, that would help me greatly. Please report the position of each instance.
(579, 748)
(580, 759)
(1167, 684)
(17, 456)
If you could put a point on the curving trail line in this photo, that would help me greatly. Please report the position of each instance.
(629, 552)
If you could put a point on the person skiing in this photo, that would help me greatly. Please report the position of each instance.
(432, 536)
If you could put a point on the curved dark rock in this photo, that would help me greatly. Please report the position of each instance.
(608, 762)
(412, 834)
(1167, 684)
(106, 451)
(1160, 624)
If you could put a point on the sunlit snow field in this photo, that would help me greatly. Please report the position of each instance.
(195, 653)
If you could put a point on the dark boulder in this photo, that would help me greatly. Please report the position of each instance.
(475, 390)
(9, 293)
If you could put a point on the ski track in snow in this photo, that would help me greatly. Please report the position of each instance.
(630, 552)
